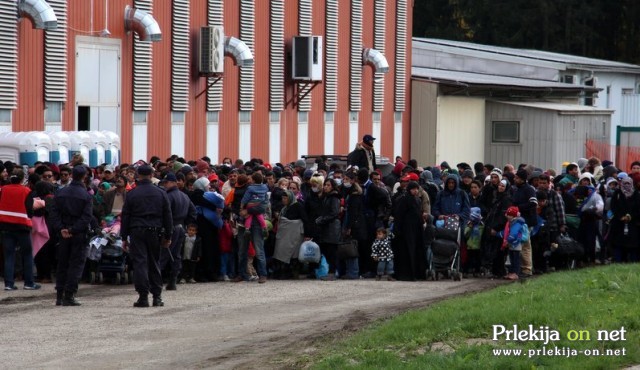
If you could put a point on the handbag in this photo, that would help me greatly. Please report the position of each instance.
(347, 249)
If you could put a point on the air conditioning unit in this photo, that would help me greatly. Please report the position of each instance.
(307, 58)
(211, 50)
(568, 79)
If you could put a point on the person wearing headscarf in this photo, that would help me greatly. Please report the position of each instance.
(408, 246)
(291, 231)
(623, 230)
(208, 205)
(590, 206)
(493, 257)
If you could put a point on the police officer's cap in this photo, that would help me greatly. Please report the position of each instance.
(145, 170)
(79, 171)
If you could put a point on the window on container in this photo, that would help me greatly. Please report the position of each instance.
(303, 117)
(604, 129)
(628, 91)
(505, 132)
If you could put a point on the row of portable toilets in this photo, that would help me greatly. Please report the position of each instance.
(27, 148)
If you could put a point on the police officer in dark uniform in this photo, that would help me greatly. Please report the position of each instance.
(183, 212)
(146, 219)
(71, 215)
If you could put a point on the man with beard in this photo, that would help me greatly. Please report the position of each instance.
(114, 198)
(363, 155)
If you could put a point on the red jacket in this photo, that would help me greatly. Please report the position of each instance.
(226, 238)
(13, 210)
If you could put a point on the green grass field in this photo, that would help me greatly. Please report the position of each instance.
(458, 333)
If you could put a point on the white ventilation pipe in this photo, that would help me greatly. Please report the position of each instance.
(375, 59)
(40, 13)
(239, 51)
(142, 23)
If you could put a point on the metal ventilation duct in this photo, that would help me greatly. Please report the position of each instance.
(239, 51)
(40, 13)
(375, 59)
(142, 23)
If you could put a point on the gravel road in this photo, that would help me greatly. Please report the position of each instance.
(213, 325)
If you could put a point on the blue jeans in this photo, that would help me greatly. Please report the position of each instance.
(255, 235)
(10, 240)
(514, 257)
(227, 265)
(385, 265)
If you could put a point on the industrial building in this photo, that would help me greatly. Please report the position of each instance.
(222, 78)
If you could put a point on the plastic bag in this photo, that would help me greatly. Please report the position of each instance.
(309, 252)
(323, 270)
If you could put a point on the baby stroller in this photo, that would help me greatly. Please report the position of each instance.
(443, 253)
(108, 260)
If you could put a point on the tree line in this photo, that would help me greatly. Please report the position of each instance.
(603, 29)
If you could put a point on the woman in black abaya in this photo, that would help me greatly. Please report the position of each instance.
(408, 246)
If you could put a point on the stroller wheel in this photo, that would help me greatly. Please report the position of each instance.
(118, 278)
(92, 278)
(457, 276)
(100, 278)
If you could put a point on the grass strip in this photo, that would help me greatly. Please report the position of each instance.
(458, 333)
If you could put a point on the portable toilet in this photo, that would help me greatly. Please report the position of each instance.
(112, 154)
(25, 147)
(59, 147)
(97, 153)
(80, 142)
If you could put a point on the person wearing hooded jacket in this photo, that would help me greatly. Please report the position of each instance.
(329, 225)
(524, 197)
(624, 226)
(451, 201)
(492, 254)
(590, 207)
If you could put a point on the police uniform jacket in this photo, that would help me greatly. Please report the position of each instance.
(72, 209)
(146, 206)
(182, 209)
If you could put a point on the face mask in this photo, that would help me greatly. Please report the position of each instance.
(347, 185)
(338, 181)
(315, 189)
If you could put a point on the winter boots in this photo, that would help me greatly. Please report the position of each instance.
(69, 299)
(172, 284)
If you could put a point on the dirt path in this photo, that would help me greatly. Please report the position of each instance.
(221, 325)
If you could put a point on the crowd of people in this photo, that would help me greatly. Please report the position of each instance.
(195, 221)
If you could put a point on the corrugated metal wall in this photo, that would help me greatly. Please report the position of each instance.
(547, 137)
(29, 116)
(87, 18)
